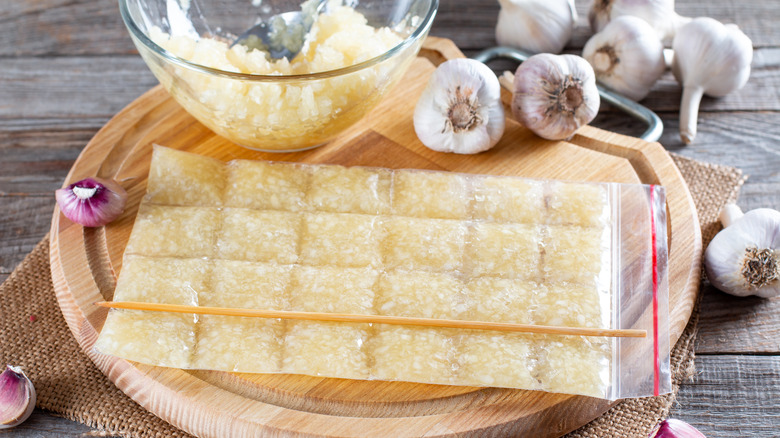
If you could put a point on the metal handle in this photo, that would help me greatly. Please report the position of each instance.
(655, 126)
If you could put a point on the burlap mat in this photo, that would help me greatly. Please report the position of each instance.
(33, 334)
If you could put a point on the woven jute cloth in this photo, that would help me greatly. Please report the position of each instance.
(34, 335)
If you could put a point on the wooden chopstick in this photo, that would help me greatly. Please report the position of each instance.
(377, 319)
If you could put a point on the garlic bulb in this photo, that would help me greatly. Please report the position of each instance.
(460, 110)
(659, 14)
(536, 26)
(744, 258)
(555, 94)
(627, 56)
(672, 428)
(92, 202)
(17, 397)
(709, 58)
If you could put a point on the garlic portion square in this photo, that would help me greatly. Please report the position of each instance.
(574, 254)
(333, 289)
(495, 359)
(501, 300)
(415, 354)
(248, 285)
(266, 185)
(167, 231)
(326, 348)
(420, 294)
(507, 199)
(573, 364)
(259, 235)
(163, 280)
(162, 339)
(577, 204)
(341, 189)
(181, 178)
(570, 305)
(341, 239)
(435, 245)
(434, 195)
(507, 250)
(233, 343)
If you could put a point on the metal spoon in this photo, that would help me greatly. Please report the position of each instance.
(283, 35)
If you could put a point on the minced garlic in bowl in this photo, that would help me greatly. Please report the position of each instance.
(350, 61)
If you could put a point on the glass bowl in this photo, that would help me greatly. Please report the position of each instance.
(284, 106)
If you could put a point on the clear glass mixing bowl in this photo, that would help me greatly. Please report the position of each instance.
(278, 111)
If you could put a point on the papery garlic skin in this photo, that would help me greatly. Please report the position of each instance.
(627, 56)
(92, 202)
(709, 58)
(554, 95)
(17, 397)
(744, 258)
(659, 14)
(460, 110)
(536, 26)
(672, 428)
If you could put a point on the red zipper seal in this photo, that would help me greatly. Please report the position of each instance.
(656, 368)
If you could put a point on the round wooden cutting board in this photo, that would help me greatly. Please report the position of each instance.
(85, 263)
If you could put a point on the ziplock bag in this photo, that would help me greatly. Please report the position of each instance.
(416, 243)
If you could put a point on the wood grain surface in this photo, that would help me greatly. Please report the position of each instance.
(85, 262)
(66, 67)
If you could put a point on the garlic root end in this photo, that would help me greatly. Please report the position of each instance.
(729, 214)
(689, 113)
(603, 60)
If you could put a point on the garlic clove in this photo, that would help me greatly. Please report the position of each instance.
(744, 258)
(536, 26)
(709, 58)
(460, 110)
(627, 56)
(672, 428)
(554, 95)
(17, 397)
(92, 202)
(659, 14)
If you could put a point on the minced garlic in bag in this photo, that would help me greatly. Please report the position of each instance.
(326, 238)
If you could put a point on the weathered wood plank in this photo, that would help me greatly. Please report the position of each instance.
(745, 140)
(754, 17)
(25, 220)
(61, 27)
(71, 87)
(58, 27)
(764, 75)
(43, 424)
(732, 396)
(748, 140)
(757, 18)
(710, 402)
(733, 325)
(756, 194)
(37, 171)
(67, 88)
(24, 131)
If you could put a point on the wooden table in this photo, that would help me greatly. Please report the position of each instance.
(67, 67)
